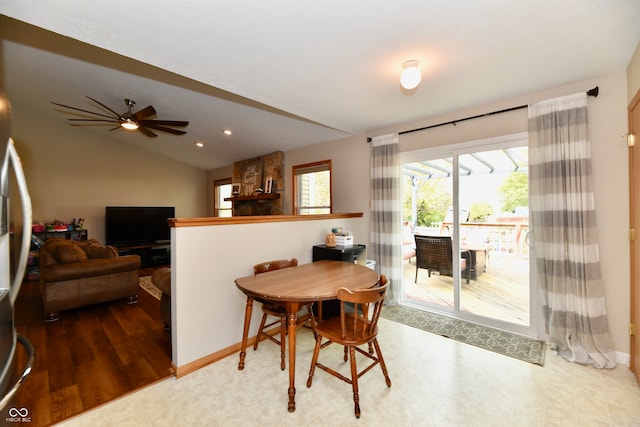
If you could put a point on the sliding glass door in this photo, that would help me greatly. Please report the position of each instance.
(470, 203)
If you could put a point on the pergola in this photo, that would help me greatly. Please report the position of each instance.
(487, 162)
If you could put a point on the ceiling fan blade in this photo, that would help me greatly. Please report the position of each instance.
(105, 107)
(85, 111)
(164, 129)
(144, 126)
(147, 132)
(95, 120)
(179, 123)
(145, 112)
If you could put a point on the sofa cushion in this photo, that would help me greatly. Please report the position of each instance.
(67, 253)
(90, 268)
(55, 242)
(95, 249)
(102, 252)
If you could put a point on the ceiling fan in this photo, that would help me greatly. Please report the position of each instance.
(131, 121)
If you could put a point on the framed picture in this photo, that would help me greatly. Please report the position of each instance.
(235, 189)
(251, 176)
(268, 185)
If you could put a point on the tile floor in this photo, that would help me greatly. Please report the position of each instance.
(436, 382)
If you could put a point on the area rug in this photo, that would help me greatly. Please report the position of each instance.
(147, 285)
(506, 343)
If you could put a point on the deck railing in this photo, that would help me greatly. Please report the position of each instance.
(505, 239)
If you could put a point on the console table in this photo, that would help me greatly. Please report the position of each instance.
(151, 255)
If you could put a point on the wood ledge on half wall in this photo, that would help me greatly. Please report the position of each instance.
(197, 222)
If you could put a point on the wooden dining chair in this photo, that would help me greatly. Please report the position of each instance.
(357, 325)
(275, 309)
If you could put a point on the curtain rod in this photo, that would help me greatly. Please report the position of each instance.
(591, 92)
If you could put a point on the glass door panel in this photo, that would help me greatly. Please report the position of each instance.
(495, 196)
(488, 276)
(428, 205)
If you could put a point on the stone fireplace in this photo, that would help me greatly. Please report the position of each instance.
(265, 173)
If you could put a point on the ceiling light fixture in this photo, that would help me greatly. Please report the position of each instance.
(129, 125)
(199, 144)
(410, 77)
(227, 132)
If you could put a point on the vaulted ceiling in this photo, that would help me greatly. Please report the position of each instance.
(285, 74)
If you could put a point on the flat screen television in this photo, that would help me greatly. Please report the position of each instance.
(137, 225)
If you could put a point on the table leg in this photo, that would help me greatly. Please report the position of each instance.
(292, 317)
(245, 332)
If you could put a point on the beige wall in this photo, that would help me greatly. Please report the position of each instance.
(72, 172)
(208, 309)
(633, 74)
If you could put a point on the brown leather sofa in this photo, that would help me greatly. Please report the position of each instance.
(76, 274)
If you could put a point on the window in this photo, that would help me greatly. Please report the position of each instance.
(222, 190)
(312, 188)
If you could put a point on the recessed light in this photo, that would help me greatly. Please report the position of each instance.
(227, 131)
(199, 144)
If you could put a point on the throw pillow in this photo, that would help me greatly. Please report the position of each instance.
(68, 253)
(55, 241)
(101, 252)
(95, 249)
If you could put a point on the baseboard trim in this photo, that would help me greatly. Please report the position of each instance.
(183, 370)
(623, 358)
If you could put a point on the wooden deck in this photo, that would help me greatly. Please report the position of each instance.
(501, 292)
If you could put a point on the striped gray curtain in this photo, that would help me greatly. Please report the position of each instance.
(386, 228)
(565, 234)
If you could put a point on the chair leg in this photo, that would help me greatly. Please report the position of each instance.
(354, 381)
(416, 279)
(260, 329)
(383, 366)
(314, 360)
(283, 333)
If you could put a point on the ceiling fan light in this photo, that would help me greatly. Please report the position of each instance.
(129, 125)
(411, 76)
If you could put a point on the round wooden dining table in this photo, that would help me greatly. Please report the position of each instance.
(294, 287)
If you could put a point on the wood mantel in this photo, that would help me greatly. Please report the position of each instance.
(196, 222)
(254, 197)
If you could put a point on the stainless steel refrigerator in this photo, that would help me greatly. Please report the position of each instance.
(15, 240)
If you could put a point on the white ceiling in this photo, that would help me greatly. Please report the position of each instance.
(283, 74)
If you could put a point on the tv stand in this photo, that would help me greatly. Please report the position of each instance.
(151, 254)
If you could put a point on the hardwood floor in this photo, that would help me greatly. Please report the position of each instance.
(90, 356)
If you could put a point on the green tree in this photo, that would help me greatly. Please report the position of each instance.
(514, 191)
(479, 211)
(433, 201)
